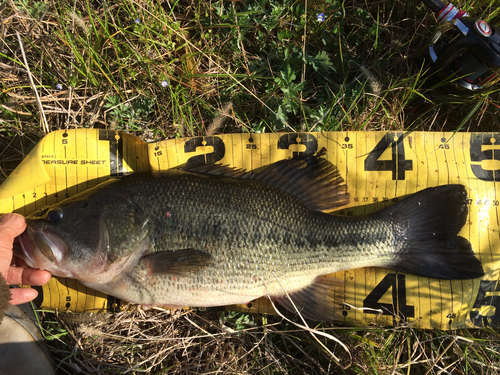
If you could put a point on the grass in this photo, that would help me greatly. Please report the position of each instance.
(198, 342)
(190, 67)
(103, 64)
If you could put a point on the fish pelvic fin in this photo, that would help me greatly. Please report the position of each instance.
(432, 248)
(312, 179)
(318, 301)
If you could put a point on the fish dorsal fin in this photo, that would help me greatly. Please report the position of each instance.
(315, 181)
(184, 262)
(216, 170)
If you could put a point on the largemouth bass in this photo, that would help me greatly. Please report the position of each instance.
(212, 236)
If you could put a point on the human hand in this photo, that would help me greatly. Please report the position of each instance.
(14, 270)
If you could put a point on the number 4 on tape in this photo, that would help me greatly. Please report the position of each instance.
(397, 164)
(397, 283)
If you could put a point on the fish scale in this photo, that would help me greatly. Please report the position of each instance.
(211, 237)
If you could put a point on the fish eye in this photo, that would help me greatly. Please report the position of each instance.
(54, 215)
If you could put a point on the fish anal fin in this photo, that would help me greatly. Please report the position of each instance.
(318, 301)
(182, 263)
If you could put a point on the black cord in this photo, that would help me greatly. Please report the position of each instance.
(435, 5)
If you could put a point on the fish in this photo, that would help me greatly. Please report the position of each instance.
(212, 235)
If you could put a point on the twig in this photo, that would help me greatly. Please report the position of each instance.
(14, 111)
(39, 104)
(304, 62)
(312, 331)
(441, 355)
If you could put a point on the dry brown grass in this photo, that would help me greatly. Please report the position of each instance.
(160, 341)
(184, 342)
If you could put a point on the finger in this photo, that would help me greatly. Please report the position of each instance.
(11, 226)
(27, 276)
(22, 295)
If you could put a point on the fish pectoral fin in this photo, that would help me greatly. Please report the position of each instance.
(183, 263)
(318, 301)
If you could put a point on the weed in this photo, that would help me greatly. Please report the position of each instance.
(132, 114)
(35, 8)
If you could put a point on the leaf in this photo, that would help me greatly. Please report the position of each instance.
(320, 62)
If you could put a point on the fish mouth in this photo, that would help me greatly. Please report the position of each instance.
(24, 248)
(40, 247)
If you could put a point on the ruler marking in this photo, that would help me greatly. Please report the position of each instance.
(466, 156)
(490, 202)
(446, 161)
(439, 296)
(87, 157)
(354, 315)
(77, 294)
(435, 156)
(427, 280)
(476, 207)
(455, 156)
(440, 303)
(49, 293)
(364, 193)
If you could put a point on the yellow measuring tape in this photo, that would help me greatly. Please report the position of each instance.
(379, 168)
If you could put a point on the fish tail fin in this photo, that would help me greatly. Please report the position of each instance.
(432, 248)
